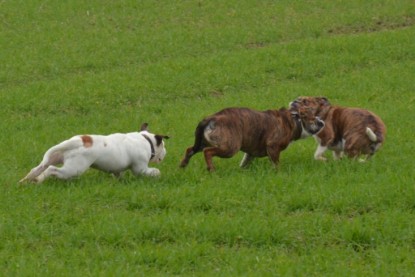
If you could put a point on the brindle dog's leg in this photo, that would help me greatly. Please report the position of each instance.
(189, 153)
(274, 154)
(246, 160)
(199, 144)
(337, 155)
(210, 152)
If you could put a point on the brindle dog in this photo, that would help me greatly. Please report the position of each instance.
(257, 133)
(353, 131)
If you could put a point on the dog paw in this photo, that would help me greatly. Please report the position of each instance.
(211, 169)
(153, 172)
(321, 158)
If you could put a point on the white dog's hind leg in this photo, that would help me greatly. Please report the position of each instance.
(36, 171)
(318, 155)
(71, 168)
(51, 157)
(51, 170)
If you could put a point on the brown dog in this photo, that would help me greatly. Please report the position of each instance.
(256, 133)
(351, 130)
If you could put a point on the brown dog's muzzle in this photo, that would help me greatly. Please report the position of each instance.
(313, 126)
(317, 126)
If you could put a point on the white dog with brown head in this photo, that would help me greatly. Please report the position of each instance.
(113, 153)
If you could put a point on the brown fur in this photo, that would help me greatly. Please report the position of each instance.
(343, 123)
(256, 133)
(87, 141)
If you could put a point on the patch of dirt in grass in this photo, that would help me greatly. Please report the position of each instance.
(376, 26)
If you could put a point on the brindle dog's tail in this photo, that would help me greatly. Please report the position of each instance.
(372, 136)
(376, 138)
(199, 143)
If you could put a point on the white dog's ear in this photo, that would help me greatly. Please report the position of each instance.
(159, 138)
(144, 127)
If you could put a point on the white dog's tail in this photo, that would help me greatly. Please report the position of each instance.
(372, 136)
(54, 156)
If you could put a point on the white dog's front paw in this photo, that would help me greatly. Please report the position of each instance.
(153, 172)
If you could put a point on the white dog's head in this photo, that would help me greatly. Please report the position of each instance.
(157, 144)
(159, 149)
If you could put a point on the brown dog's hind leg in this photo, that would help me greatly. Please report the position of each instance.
(199, 144)
(352, 149)
(189, 153)
(210, 152)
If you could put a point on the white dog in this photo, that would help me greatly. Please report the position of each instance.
(114, 153)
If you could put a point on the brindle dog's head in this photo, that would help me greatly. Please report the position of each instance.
(315, 104)
(311, 124)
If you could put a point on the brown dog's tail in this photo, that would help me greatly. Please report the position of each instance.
(376, 138)
(199, 143)
(371, 135)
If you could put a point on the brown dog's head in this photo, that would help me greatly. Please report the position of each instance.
(310, 123)
(315, 104)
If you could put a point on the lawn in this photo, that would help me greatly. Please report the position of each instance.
(99, 67)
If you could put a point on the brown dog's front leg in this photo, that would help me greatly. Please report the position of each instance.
(274, 155)
(246, 160)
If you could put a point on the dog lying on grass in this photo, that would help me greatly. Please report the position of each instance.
(114, 153)
(352, 131)
(256, 133)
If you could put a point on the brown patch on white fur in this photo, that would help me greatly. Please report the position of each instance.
(355, 131)
(87, 141)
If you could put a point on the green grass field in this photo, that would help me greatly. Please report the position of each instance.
(75, 67)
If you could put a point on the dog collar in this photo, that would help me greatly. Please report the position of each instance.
(153, 153)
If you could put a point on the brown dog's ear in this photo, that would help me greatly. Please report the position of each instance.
(144, 127)
(323, 101)
(159, 138)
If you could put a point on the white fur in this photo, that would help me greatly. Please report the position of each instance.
(338, 150)
(318, 155)
(246, 160)
(372, 136)
(114, 153)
